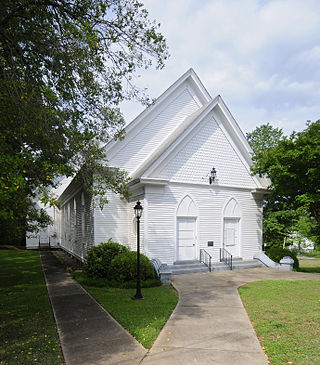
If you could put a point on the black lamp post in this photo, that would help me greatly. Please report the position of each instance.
(213, 173)
(138, 212)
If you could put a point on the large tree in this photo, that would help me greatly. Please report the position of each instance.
(278, 220)
(264, 137)
(293, 166)
(64, 68)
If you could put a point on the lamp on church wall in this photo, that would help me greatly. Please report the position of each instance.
(213, 174)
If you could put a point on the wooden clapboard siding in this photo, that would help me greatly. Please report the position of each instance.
(116, 221)
(210, 202)
(76, 220)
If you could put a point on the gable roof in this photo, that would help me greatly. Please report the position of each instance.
(189, 76)
(182, 131)
(144, 166)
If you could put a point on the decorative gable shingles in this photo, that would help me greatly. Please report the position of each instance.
(206, 147)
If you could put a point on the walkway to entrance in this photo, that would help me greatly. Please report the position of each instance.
(208, 326)
(88, 334)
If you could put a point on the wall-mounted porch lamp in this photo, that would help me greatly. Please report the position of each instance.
(213, 173)
(138, 212)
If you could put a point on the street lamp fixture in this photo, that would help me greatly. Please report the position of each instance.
(213, 174)
(138, 212)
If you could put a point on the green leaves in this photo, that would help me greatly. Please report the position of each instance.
(64, 69)
(294, 168)
(293, 165)
(264, 137)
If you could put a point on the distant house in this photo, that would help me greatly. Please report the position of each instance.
(169, 151)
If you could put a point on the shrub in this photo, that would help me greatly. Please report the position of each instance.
(277, 253)
(83, 279)
(124, 267)
(99, 258)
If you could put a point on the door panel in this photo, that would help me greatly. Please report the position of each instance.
(231, 236)
(186, 236)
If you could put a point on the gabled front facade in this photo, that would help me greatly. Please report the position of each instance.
(169, 151)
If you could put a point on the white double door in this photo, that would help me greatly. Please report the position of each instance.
(231, 236)
(186, 238)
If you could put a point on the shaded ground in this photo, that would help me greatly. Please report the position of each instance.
(28, 333)
(67, 260)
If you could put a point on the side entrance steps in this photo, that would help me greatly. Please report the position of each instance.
(188, 267)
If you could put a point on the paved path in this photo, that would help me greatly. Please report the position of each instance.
(88, 334)
(208, 326)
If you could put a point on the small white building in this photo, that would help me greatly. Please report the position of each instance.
(169, 151)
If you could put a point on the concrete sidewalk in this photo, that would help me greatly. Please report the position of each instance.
(88, 334)
(208, 326)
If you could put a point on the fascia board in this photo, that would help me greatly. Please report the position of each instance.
(154, 181)
(202, 93)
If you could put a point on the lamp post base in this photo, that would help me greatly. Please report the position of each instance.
(138, 296)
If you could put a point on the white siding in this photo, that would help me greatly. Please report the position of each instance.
(210, 203)
(204, 148)
(139, 143)
(115, 221)
(111, 221)
(76, 222)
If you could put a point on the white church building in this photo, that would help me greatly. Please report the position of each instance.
(170, 151)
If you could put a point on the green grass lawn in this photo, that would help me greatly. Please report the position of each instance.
(310, 266)
(286, 317)
(315, 253)
(142, 318)
(28, 333)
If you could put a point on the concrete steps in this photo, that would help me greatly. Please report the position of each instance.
(237, 264)
(246, 264)
(194, 266)
(188, 267)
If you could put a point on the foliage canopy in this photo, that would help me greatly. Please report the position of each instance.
(293, 165)
(294, 169)
(64, 68)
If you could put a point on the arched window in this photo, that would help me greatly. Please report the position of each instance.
(187, 208)
(232, 209)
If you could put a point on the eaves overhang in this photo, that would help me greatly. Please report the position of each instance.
(260, 191)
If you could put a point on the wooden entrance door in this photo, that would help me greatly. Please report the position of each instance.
(186, 236)
(231, 236)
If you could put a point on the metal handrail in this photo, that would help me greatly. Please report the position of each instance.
(226, 257)
(206, 258)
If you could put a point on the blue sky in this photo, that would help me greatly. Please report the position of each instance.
(262, 57)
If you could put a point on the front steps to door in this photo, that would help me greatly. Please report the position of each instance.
(164, 271)
(188, 267)
(195, 266)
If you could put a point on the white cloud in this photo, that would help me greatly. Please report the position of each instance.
(261, 56)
